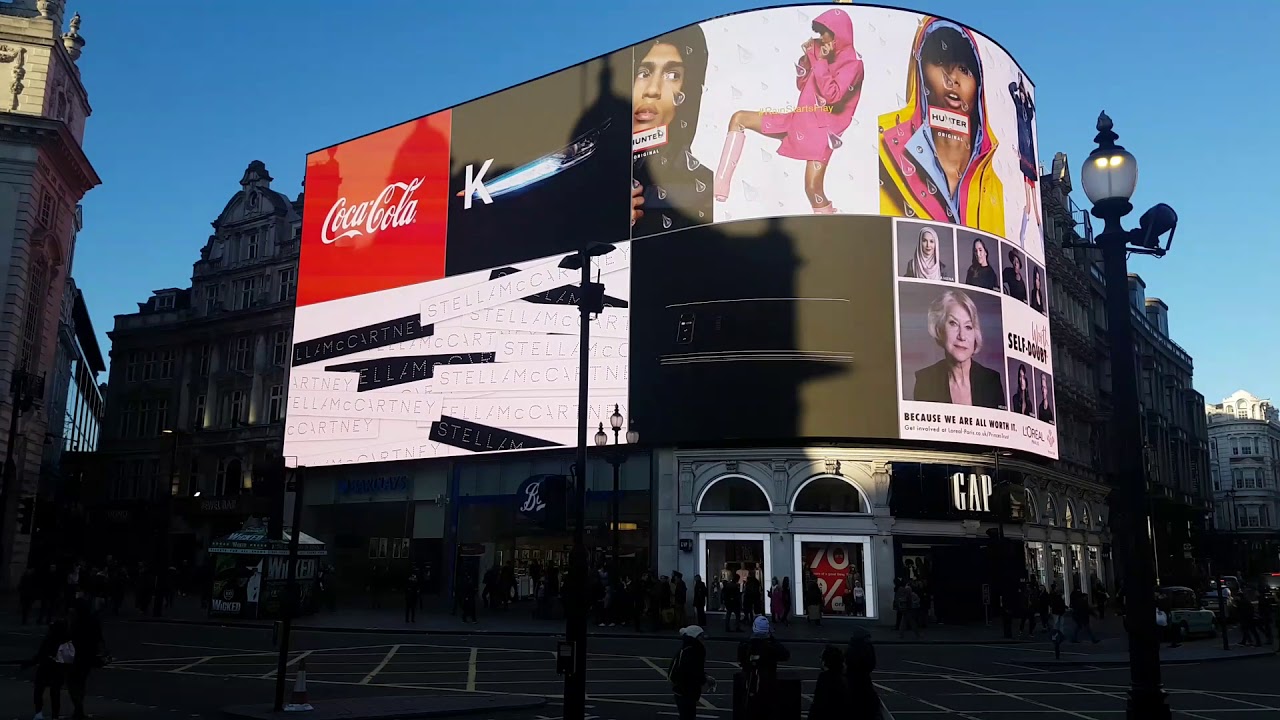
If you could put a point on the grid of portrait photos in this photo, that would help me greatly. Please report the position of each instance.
(970, 360)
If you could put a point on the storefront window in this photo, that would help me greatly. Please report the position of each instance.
(829, 494)
(733, 493)
(1035, 561)
(741, 555)
(1058, 568)
(835, 575)
(1079, 573)
(1095, 566)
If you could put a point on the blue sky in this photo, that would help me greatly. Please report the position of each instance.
(186, 94)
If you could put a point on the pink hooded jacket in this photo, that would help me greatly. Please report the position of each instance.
(829, 92)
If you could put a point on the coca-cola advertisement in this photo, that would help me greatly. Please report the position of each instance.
(375, 212)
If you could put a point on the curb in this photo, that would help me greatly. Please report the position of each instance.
(1074, 662)
(353, 630)
(486, 704)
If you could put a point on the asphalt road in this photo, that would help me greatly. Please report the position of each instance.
(185, 671)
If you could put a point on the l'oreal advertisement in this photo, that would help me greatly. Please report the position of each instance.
(433, 318)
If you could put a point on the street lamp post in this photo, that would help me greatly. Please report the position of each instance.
(1109, 177)
(590, 300)
(163, 547)
(615, 459)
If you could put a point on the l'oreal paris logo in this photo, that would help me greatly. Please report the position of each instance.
(649, 139)
(970, 492)
(393, 207)
(943, 119)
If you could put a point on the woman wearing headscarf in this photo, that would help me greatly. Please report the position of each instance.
(980, 273)
(927, 263)
(829, 77)
(936, 152)
(670, 188)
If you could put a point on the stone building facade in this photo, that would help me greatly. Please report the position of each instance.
(197, 388)
(1244, 466)
(44, 173)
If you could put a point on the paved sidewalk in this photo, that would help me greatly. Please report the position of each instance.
(400, 707)
(518, 621)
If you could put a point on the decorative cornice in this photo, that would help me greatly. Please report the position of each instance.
(53, 136)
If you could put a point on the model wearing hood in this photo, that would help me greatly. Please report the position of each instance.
(936, 152)
(829, 77)
(926, 263)
(1026, 108)
(670, 188)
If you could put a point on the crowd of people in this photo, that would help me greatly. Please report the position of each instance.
(844, 687)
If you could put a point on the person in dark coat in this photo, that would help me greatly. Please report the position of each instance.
(411, 589)
(86, 635)
(759, 657)
(681, 593)
(859, 663)
(688, 672)
(731, 596)
(700, 600)
(830, 695)
(51, 669)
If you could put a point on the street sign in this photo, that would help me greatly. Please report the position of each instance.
(986, 594)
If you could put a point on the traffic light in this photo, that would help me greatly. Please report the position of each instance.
(26, 514)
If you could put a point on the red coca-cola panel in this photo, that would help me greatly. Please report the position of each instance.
(376, 211)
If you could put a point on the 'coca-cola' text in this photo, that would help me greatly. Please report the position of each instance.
(395, 206)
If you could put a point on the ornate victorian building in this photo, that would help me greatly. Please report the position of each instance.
(44, 173)
(196, 394)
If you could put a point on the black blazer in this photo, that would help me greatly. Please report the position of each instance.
(1014, 286)
(1022, 404)
(1045, 413)
(932, 385)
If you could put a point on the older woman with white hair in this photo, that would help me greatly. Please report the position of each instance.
(958, 378)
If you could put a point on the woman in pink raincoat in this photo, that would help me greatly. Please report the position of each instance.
(829, 77)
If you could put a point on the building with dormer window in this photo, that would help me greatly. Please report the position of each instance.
(196, 395)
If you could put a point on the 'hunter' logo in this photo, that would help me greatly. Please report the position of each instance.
(395, 206)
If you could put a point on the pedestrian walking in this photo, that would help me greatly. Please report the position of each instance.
(1266, 612)
(752, 596)
(688, 672)
(1081, 613)
(786, 599)
(1247, 618)
(700, 600)
(411, 590)
(759, 657)
(1058, 611)
(51, 661)
(831, 693)
(859, 664)
(731, 596)
(90, 653)
(681, 599)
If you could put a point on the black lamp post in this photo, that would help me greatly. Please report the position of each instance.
(590, 300)
(163, 547)
(1109, 177)
(616, 459)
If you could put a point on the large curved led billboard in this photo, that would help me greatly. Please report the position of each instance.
(826, 225)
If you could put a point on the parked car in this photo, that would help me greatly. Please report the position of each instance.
(1209, 601)
(1186, 612)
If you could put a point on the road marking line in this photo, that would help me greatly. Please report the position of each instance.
(921, 700)
(471, 670)
(655, 667)
(211, 647)
(272, 673)
(1022, 699)
(390, 654)
(188, 666)
(942, 667)
(1015, 665)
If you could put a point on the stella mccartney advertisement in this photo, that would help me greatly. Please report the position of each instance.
(433, 318)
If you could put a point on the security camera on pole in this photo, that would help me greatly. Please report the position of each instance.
(1109, 177)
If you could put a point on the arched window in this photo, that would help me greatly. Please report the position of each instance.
(1033, 509)
(1086, 516)
(1069, 517)
(229, 477)
(1050, 510)
(733, 493)
(829, 494)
